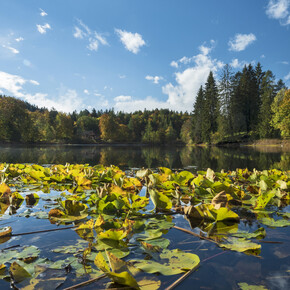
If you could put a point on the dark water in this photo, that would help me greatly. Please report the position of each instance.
(195, 158)
(219, 269)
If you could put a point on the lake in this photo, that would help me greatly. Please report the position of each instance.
(191, 158)
(219, 269)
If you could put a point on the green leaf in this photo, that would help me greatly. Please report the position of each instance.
(263, 199)
(101, 263)
(113, 234)
(160, 200)
(18, 273)
(245, 286)
(260, 233)
(270, 222)
(123, 278)
(171, 263)
(240, 245)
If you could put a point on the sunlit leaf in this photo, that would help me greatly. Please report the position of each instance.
(18, 273)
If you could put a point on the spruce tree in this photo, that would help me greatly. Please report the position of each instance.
(197, 119)
(267, 97)
(225, 94)
(211, 108)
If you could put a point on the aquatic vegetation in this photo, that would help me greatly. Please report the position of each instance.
(121, 219)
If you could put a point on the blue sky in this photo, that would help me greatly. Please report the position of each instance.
(129, 54)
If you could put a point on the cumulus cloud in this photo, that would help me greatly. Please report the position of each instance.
(94, 39)
(42, 12)
(241, 41)
(181, 95)
(13, 85)
(154, 79)
(132, 41)
(86, 92)
(279, 9)
(43, 28)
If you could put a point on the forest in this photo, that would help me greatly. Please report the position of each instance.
(234, 107)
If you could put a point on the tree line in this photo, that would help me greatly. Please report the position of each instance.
(246, 104)
(25, 123)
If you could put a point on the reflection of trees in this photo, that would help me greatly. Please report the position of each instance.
(284, 163)
(161, 156)
(148, 156)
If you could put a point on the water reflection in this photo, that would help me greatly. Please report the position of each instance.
(145, 156)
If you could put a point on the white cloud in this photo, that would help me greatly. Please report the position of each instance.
(284, 62)
(42, 12)
(181, 96)
(279, 9)
(79, 33)
(132, 41)
(241, 41)
(263, 56)
(19, 39)
(122, 98)
(36, 83)
(235, 63)
(148, 103)
(13, 85)
(287, 77)
(86, 92)
(174, 64)
(82, 31)
(155, 79)
(93, 44)
(122, 76)
(12, 49)
(43, 28)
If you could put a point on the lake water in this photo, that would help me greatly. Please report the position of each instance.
(219, 269)
(191, 158)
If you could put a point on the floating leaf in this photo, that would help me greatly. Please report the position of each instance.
(260, 233)
(171, 262)
(101, 263)
(18, 273)
(270, 222)
(113, 234)
(240, 245)
(124, 278)
(245, 286)
(160, 200)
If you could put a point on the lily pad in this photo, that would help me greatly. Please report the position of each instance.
(171, 262)
(240, 245)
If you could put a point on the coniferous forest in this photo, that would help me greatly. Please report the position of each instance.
(232, 107)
